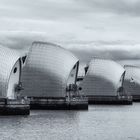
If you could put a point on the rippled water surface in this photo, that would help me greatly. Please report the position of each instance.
(98, 123)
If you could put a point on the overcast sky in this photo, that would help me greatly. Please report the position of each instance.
(89, 28)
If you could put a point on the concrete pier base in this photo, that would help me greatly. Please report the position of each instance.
(14, 107)
(78, 103)
(136, 98)
(110, 100)
(58, 103)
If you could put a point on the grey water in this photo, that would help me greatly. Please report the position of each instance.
(98, 123)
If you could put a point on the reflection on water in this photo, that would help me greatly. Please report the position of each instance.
(99, 123)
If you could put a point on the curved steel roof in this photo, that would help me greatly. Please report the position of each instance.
(46, 71)
(103, 77)
(8, 59)
(132, 79)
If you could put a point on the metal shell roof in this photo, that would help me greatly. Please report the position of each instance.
(46, 71)
(103, 78)
(132, 80)
(8, 58)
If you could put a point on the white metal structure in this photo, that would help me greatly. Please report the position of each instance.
(103, 78)
(132, 80)
(10, 72)
(48, 70)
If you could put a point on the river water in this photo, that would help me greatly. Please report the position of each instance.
(98, 123)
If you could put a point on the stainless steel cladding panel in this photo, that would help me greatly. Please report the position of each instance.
(47, 69)
(8, 59)
(132, 80)
(103, 78)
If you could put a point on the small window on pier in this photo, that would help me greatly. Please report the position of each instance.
(15, 69)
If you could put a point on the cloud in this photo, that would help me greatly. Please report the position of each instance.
(91, 28)
(42, 9)
(130, 62)
(126, 7)
(85, 51)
